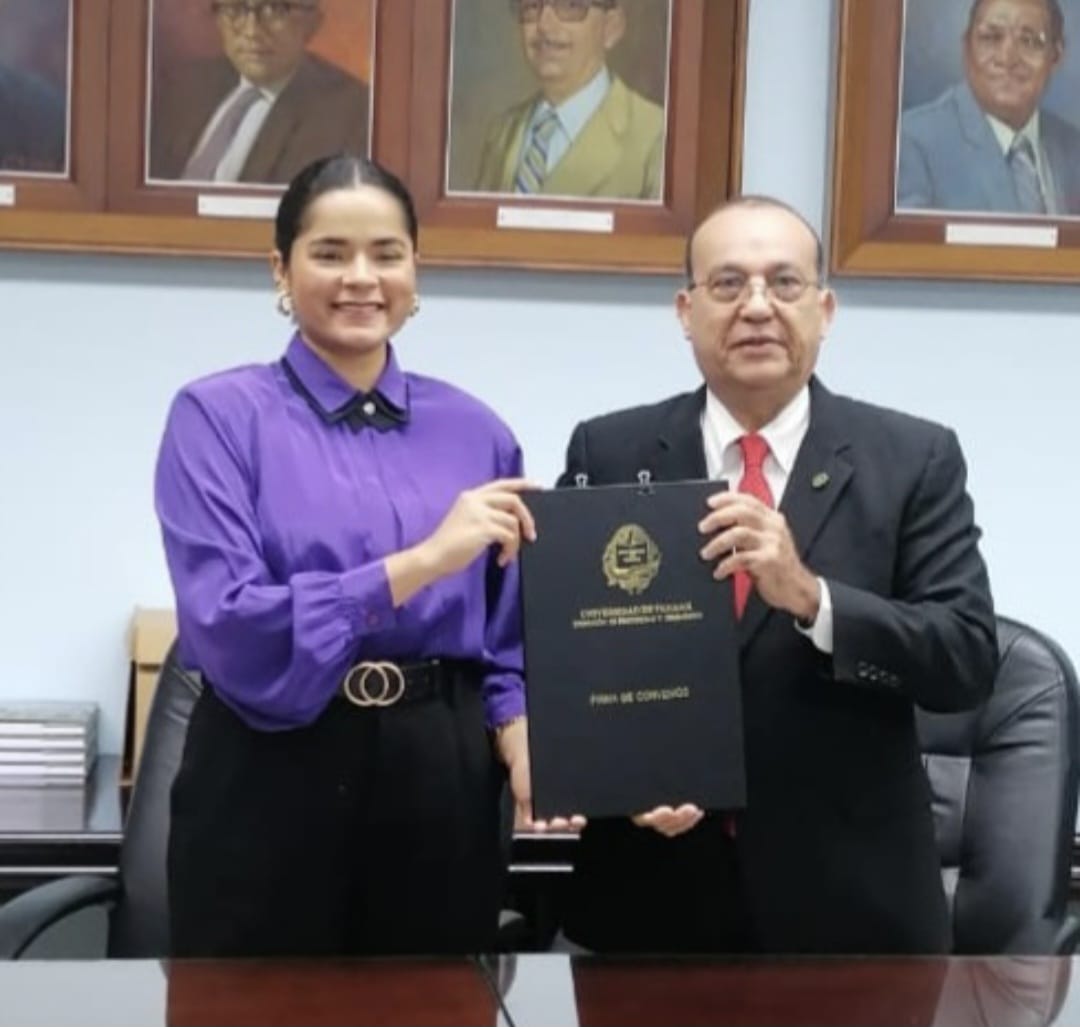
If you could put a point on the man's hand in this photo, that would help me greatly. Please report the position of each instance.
(512, 747)
(750, 536)
(671, 821)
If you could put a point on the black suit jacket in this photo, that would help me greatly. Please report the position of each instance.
(835, 850)
(322, 111)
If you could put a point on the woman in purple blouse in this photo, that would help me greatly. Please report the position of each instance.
(341, 536)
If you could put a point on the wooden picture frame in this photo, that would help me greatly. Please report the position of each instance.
(128, 212)
(173, 215)
(704, 83)
(871, 231)
(39, 201)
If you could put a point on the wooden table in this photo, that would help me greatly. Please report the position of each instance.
(548, 990)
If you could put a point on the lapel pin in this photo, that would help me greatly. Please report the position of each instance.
(819, 480)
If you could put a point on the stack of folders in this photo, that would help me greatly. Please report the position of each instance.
(47, 749)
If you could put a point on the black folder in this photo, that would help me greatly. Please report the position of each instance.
(631, 656)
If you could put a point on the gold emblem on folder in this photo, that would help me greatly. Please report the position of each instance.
(631, 559)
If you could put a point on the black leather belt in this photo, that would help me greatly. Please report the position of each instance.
(381, 683)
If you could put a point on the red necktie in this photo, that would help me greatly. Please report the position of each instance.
(754, 450)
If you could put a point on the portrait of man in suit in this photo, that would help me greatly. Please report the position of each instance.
(990, 143)
(261, 107)
(34, 75)
(581, 129)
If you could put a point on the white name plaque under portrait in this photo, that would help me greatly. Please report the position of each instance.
(214, 205)
(1045, 237)
(559, 219)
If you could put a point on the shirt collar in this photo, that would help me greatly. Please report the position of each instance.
(1006, 134)
(270, 90)
(576, 111)
(331, 393)
(784, 433)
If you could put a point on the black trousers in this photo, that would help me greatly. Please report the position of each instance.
(370, 831)
(635, 891)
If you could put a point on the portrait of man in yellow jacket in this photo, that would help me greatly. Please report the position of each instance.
(585, 132)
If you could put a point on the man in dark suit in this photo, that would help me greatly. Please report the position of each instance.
(867, 596)
(263, 110)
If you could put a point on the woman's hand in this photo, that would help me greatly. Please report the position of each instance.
(512, 747)
(491, 514)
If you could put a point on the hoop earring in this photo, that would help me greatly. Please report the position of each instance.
(415, 306)
(284, 304)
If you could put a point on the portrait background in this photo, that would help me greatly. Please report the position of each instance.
(490, 72)
(34, 38)
(186, 29)
(109, 204)
(933, 55)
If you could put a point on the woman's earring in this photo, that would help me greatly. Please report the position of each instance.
(284, 304)
(415, 306)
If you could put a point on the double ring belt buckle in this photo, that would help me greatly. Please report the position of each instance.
(374, 683)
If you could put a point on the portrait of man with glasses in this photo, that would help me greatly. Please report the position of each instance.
(34, 83)
(263, 105)
(990, 143)
(578, 129)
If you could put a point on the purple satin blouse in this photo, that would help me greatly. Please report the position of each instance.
(276, 521)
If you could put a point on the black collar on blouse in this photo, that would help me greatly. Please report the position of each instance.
(363, 410)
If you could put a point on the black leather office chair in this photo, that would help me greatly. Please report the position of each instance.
(138, 915)
(1004, 780)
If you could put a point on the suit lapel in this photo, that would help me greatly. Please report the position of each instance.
(988, 164)
(594, 155)
(183, 130)
(510, 146)
(678, 453)
(819, 477)
(281, 123)
(1058, 159)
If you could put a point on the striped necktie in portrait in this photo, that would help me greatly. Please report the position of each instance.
(1025, 173)
(203, 164)
(533, 167)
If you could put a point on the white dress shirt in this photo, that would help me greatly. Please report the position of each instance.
(784, 434)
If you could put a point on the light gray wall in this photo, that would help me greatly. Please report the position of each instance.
(94, 347)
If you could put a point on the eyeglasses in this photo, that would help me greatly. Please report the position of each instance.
(529, 11)
(1031, 44)
(266, 12)
(782, 286)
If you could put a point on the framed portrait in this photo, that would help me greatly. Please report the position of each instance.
(573, 133)
(52, 102)
(220, 102)
(957, 140)
(183, 119)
